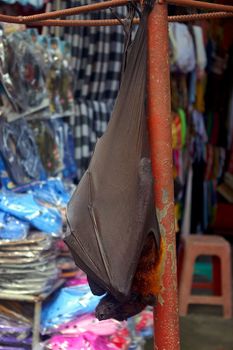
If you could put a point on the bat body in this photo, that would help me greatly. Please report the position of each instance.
(113, 230)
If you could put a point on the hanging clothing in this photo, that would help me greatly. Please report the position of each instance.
(97, 53)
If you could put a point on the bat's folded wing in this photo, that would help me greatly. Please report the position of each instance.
(108, 230)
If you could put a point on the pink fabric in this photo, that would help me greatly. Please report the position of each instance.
(91, 324)
(76, 282)
(86, 341)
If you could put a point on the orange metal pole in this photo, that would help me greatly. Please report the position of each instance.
(166, 320)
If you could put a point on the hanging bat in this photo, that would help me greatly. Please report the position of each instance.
(114, 235)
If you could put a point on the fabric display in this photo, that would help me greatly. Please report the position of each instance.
(15, 329)
(21, 74)
(56, 62)
(36, 103)
(54, 140)
(97, 55)
(19, 152)
(65, 262)
(67, 117)
(24, 206)
(37, 168)
(29, 258)
(68, 320)
(70, 301)
(182, 48)
(35, 71)
(35, 150)
(11, 228)
(28, 265)
(201, 71)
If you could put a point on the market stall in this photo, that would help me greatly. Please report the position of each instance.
(40, 141)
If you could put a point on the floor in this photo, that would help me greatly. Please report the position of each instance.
(204, 329)
(206, 332)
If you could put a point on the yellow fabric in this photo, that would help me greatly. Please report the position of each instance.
(200, 92)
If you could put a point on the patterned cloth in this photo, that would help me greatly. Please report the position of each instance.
(96, 59)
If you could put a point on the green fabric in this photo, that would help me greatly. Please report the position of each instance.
(182, 116)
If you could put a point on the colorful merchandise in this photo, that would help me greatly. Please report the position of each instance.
(21, 74)
(183, 54)
(88, 323)
(48, 147)
(68, 303)
(11, 228)
(52, 191)
(27, 208)
(19, 152)
(28, 265)
(86, 341)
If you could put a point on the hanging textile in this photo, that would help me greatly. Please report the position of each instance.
(96, 60)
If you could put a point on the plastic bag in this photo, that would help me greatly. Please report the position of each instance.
(5, 181)
(24, 69)
(11, 228)
(9, 325)
(14, 331)
(59, 77)
(25, 207)
(19, 152)
(7, 84)
(67, 304)
(50, 191)
(70, 168)
(49, 149)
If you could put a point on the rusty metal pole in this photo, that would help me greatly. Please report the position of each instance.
(166, 320)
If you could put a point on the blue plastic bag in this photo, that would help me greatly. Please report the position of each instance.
(70, 167)
(67, 304)
(11, 228)
(26, 208)
(52, 191)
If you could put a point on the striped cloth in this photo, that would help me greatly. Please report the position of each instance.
(96, 59)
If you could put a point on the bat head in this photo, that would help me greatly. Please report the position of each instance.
(109, 307)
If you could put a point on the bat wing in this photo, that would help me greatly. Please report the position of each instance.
(107, 230)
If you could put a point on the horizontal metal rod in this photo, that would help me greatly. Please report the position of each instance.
(80, 23)
(47, 19)
(201, 5)
(200, 16)
(114, 22)
(66, 12)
